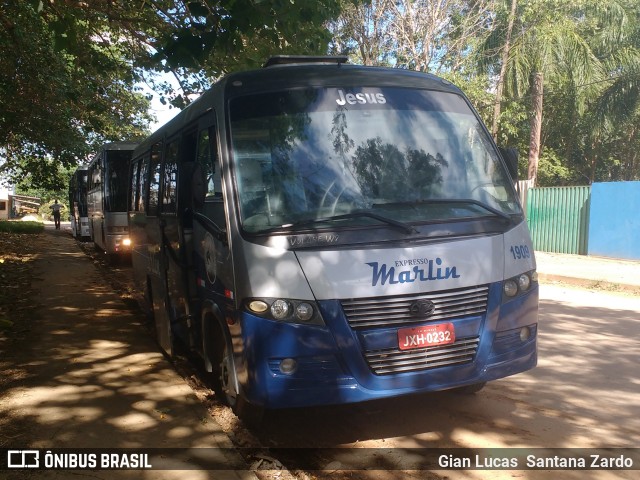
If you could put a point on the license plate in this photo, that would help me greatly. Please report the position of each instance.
(427, 336)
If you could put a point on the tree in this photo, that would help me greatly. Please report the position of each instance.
(423, 35)
(616, 112)
(69, 69)
(547, 46)
(591, 134)
(504, 59)
(200, 40)
(434, 36)
(363, 31)
(63, 91)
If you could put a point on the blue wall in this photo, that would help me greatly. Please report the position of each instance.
(614, 222)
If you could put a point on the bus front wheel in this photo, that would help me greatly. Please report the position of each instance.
(224, 386)
(221, 378)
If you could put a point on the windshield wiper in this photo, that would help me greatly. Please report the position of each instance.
(358, 214)
(455, 201)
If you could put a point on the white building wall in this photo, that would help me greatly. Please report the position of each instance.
(4, 203)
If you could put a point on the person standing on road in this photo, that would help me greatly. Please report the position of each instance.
(56, 214)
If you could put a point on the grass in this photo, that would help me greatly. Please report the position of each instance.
(21, 227)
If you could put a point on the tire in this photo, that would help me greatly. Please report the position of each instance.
(220, 374)
(251, 415)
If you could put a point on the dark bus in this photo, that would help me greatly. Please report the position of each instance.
(107, 197)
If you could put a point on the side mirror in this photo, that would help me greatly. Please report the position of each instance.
(510, 156)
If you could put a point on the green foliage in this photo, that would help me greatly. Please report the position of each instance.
(588, 51)
(66, 89)
(17, 226)
(201, 40)
(551, 170)
(70, 70)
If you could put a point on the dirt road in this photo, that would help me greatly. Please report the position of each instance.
(82, 372)
(85, 372)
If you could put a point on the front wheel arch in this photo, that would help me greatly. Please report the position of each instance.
(219, 361)
(218, 355)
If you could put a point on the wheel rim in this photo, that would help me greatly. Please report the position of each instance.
(225, 377)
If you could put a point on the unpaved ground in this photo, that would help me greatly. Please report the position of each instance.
(80, 371)
(583, 393)
(17, 315)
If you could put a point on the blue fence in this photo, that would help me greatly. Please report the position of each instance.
(607, 219)
(614, 224)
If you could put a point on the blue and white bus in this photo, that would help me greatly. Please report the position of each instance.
(322, 233)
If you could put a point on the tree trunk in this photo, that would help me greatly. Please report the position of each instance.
(503, 71)
(536, 125)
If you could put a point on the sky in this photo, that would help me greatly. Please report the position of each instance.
(163, 113)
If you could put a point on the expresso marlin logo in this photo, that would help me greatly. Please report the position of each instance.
(424, 270)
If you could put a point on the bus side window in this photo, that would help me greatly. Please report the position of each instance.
(154, 180)
(208, 160)
(134, 186)
(95, 173)
(170, 178)
(144, 182)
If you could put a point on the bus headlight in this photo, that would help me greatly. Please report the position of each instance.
(304, 312)
(280, 309)
(518, 285)
(510, 288)
(524, 282)
(285, 310)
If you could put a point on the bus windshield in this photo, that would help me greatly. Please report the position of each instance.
(116, 180)
(353, 157)
(81, 194)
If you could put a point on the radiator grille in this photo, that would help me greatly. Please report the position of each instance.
(395, 310)
(384, 362)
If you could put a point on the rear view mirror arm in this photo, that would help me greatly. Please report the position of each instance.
(211, 227)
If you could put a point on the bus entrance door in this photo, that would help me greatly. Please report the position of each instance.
(175, 226)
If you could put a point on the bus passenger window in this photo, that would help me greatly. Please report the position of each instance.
(170, 178)
(154, 180)
(207, 158)
(134, 186)
(143, 183)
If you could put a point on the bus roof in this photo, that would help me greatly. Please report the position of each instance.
(120, 146)
(292, 72)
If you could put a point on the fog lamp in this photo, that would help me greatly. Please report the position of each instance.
(288, 366)
(525, 333)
